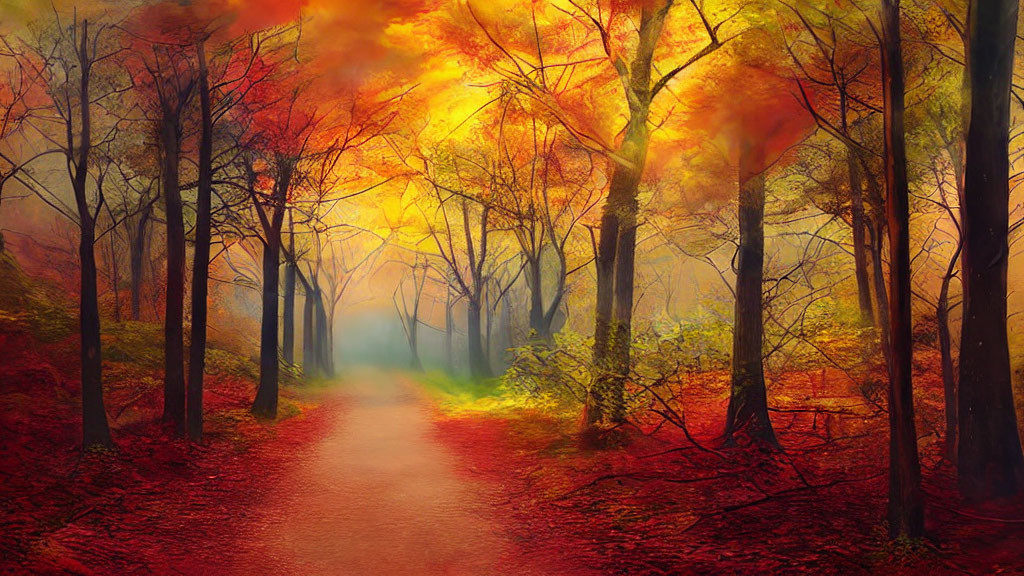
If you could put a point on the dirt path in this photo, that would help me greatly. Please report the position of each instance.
(378, 496)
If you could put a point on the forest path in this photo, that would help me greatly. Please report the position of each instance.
(378, 496)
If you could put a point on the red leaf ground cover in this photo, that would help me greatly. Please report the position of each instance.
(155, 504)
(661, 505)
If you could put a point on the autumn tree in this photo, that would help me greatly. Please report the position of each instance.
(906, 508)
(623, 38)
(75, 65)
(165, 58)
(990, 459)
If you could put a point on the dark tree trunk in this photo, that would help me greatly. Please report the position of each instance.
(115, 278)
(536, 283)
(479, 363)
(321, 337)
(309, 364)
(288, 316)
(906, 507)
(95, 430)
(860, 251)
(488, 313)
(174, 346)
(265, 405)
(415, 363)
(617, 244)
(201, 256)
(881, 294)
(449, 328)
(748, 401)
(604, 262)
(614, 266)
(556, 301)
(137, 259)
(946, 353)
(990, 461)
(622, 317)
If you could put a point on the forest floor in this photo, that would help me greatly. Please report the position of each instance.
(387, 473)
(661, 504)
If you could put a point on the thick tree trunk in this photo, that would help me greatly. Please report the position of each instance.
(95, 430)
(604, 262)
(748, 401)
(990, 461)
(479, 364)
(617, 243)
(906, 507)
(174, 347)
(265, 405)
(201, 257)
(860, 251)
(615, 269)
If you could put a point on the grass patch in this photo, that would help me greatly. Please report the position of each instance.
(26, 305)
(457, 395)
(138, 343)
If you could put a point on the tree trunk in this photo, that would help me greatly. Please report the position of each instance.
(906, 507)
(95, 430)
(449, 327)
(174, 347)
(115, 278)
(265, 405)
(288, 316)
(534, 280)
(137, 257)
(413, 336)
(309, 364)
(948, 372)
(990, 461)
(748, 401)
(488, 313)
(881, 294)
(860, 255)
(201, 256)
(615, 266)
(321, 336)
(549, 328)
(479, 364)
